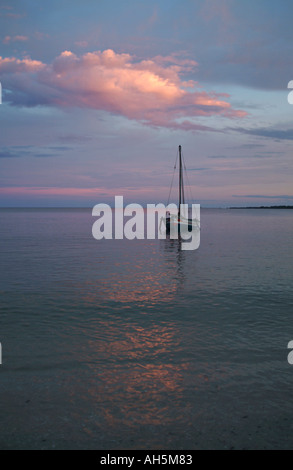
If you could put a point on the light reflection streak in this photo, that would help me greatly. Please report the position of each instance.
(141, 381)
(139, 282)
(136, 376)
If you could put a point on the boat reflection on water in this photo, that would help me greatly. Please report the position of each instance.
(142, 280)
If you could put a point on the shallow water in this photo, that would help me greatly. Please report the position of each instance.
(119, 344)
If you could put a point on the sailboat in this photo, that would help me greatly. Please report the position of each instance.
(180, 221)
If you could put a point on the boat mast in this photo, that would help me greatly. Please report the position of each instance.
(180, 181)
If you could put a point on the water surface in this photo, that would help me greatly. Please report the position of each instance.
(119, 344)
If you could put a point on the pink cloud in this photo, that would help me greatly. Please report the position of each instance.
(9, 39)
(8, 14)
(151, 91)
(12, 65)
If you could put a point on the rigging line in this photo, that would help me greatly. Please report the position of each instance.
(188, 183)
(175, 166)
(183, 191)
(183, 188)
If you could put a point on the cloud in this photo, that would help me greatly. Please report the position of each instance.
(268, 133)
(9, 39)
(153, 92)
(17, 151)
(249, 146)
(197, 169)
(7, 154)
(8, 12)
(10, 66)
(246, 157)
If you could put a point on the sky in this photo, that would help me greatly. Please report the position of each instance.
(97, 95)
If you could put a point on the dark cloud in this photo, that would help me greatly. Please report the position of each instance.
(197, 169)
(248, 146)
(252, 155)
(8, 154)
(267, 132)
(45, 155)
(59, 148)
(30, 151)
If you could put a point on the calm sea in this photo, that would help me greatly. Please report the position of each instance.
(140, 345)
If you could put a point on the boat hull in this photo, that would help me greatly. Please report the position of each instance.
(179, 225)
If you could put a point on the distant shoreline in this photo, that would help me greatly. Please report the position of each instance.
(264, 207)
(42, 208)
